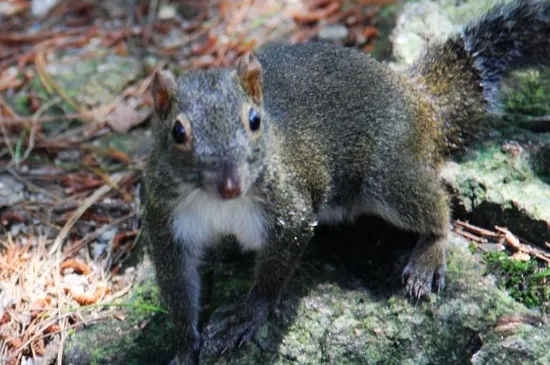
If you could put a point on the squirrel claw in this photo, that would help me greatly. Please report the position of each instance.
(239, 323)
(419, 280)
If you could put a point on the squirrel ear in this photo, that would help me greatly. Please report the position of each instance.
(164, 92)
(249, 72)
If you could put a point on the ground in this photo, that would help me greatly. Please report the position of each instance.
(75, 281)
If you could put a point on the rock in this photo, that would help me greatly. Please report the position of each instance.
(421, 22)
(141, 338)
(416, 26)
(11, 191)
(336, 317)
(42, 7)
(503, 181)
(167, 12)
(498, 182)
(333, 33)
(108, 235)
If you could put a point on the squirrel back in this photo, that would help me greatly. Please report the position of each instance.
(343, 114)
(462, 74)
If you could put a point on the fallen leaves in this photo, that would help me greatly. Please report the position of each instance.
(125, 116)
(318, 10)
(87, 298)
(9, 79)
(13, 7)
(76, 266)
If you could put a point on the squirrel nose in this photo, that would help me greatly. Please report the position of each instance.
(229, 189)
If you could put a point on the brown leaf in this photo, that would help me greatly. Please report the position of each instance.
(88, 298)
(521, 256)
(5, 318)
(38, 346)
(124, 117)
(9, 80)
(54, 328)
(512, 240)
(78, 267)
(10, 8)
(315, 15)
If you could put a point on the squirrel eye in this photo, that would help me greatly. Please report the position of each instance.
(254, 120)
(178, 133)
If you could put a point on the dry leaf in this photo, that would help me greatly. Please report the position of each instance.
(124, 117)
(9, 80)
(10, 8)
(521, 256)
(78, 267)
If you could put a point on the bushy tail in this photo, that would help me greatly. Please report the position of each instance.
(464, 72)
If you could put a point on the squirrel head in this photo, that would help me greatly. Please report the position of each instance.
(213, 129)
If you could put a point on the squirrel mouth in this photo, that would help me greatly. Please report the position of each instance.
(229, 189)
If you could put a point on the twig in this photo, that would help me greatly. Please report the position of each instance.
(34, 126)
(475, 229)
(78, 213)
(153, 5)
(509, 237)
(63, 333)
(44, 119)
(514, 242)
(49, 84)
(32, 186)
(37, 37)
(470, 236)
(6, 139)
(8, 108)
(91, 236)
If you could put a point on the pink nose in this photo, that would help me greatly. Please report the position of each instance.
(229, 189)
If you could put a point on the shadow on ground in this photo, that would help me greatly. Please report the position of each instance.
(368, 255)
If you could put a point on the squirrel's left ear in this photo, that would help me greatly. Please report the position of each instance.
(249, 72)
(164, 89)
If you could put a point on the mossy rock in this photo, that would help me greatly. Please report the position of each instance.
(502, 182)
(527, 92)
(425, 21)
(344, 308)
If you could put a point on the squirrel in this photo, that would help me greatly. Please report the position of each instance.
(293, 135)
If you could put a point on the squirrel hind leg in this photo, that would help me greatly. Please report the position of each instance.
(426, 267)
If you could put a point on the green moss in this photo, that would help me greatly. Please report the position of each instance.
(526, 282)
(21, 103)
(140, 338)
(528, 93)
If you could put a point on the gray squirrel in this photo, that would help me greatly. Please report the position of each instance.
(293, 135)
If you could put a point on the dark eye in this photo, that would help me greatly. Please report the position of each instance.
(254, 120)
(178, 133)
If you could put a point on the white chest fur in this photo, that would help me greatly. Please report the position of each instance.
(200, 219)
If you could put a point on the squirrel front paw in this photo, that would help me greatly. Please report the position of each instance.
(231, 326)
